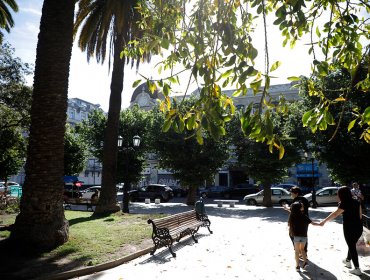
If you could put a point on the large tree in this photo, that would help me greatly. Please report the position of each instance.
(75, 153)
(346, 154)
(178, 150)
(213, 41)
(133, 121)
(6, 19)
(15, 103)
(111, 24)
(258, 162)
(41, 222)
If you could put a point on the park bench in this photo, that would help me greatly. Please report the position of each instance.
(80, 201)
(172, 228)
(230, 202)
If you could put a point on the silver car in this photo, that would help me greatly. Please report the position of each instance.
(324, 196)
(278, 196)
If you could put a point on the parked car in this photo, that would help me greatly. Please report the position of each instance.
(324, 196)
(90, 191)
(10, 185)
(179, 191)
(214, 191)
(241, 190)
(278, 196)
(152, 191)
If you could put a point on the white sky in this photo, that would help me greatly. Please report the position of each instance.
(91, 82)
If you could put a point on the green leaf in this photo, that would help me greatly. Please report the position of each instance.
(366, 115)
(281, 151)
(275, 66)
(293, 78)
(167, 125)
(351, 125)
(136, 83)
(306, 117)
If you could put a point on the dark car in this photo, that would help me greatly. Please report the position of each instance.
(179, 191)
(241, 190)
(152, 191)
(214, 191)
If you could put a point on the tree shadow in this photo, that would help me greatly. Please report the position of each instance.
(24, 262)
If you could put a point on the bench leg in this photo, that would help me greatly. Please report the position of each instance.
(173, 254)
(232, 204)
(219, 204)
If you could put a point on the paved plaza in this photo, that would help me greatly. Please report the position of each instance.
(247, 243)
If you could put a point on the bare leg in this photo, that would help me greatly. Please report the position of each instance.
(296, 254)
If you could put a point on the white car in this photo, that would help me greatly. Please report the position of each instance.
(278, 196)
(90, 191)
(324, 196)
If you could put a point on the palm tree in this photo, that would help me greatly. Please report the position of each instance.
(41, 221)
(98, 21)
(6, 19)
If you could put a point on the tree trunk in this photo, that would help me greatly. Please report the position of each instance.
(107, 201)
(41, 222)
(267, 194)
(192, 196)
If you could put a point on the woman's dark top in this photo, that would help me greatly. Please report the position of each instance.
(351, 214)
(299, 225)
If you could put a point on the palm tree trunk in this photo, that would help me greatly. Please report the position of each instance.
(107, 201)
(41, 221)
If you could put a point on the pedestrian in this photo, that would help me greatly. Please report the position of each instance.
(297, 196)
(351, 211)
(298, 227)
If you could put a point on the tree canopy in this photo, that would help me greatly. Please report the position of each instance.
(213, 41)
(189, 162)
(347, 156)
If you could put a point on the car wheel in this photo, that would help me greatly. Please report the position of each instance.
(227, 195)
(203, 195)
(251, 202)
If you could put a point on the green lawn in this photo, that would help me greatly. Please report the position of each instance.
(94, 240)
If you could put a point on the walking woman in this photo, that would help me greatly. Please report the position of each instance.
(352, 225)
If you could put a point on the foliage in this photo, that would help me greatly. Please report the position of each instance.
(190, 162)
(258, 162)
(15, 101)
(75, 153)
(12, 151)
(346, 155)
(15, 96)
(133, 121)
(212, 41)
(6, 19)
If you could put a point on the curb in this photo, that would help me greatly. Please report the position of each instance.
(97, 268)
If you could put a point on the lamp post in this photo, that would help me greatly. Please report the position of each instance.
(314, 204)
(136, 143)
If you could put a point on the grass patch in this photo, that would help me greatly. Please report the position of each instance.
(94, 240)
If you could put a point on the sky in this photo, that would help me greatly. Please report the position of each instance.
(91, 81)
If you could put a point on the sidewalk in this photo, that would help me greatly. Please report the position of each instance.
(247, 243)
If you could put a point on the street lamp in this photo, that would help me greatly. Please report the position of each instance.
(314, 204)
(136, 143)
